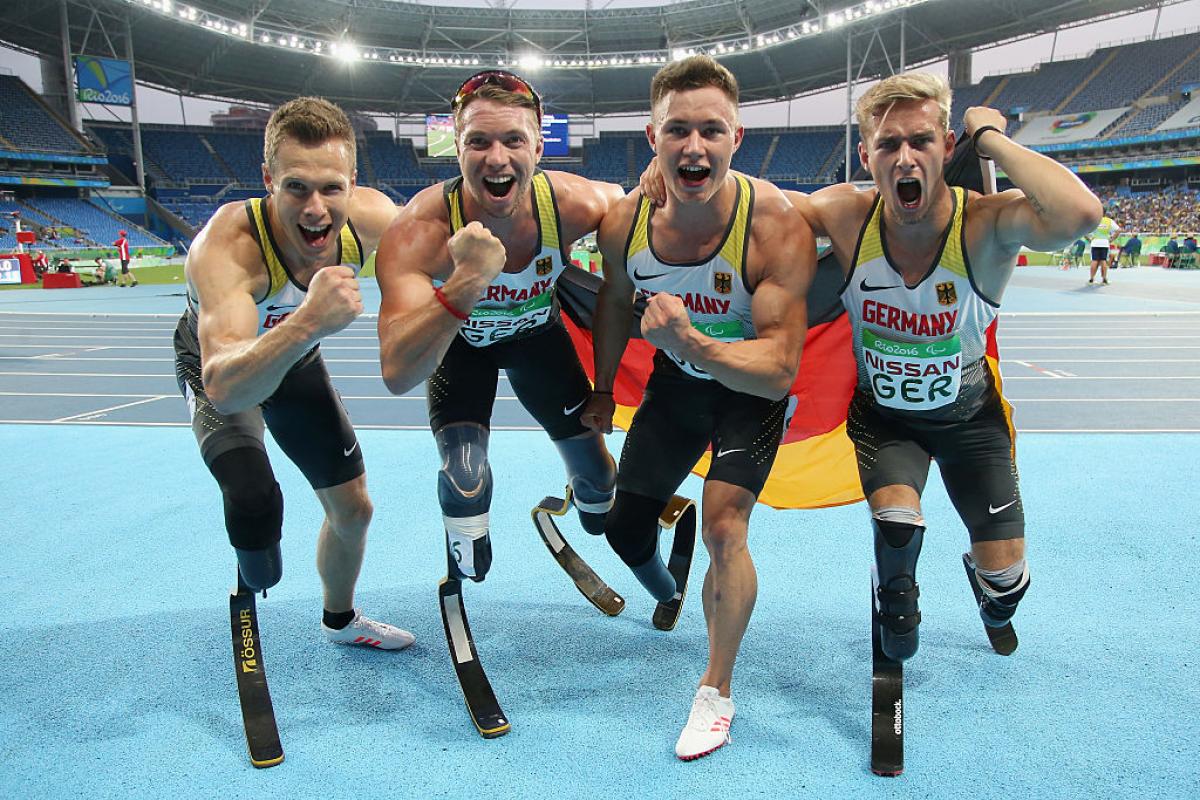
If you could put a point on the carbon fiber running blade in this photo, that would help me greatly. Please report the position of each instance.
(589, 584)
(887, 703)
(258, 715)
(481, 701)
(679, 514)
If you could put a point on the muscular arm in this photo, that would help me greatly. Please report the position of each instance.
(1051, 206)
(239, 369)
(372, 212)
(415, 329)
(614, 305)
(766, 366)
(582, 203)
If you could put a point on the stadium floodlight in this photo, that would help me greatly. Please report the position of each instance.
(530, 62)
(345, 51)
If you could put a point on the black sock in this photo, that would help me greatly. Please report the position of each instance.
(339, 620)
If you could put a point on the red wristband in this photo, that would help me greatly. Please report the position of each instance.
(437, 292)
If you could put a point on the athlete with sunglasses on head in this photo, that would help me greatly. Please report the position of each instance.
(467, 273)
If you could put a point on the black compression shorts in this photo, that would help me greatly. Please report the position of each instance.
(305, 416)
(680, 416)
(542, 368)
(1099, 254)
(976, 457)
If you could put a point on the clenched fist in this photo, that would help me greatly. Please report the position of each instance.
(665, 323)
(333, 300)
(478, 255)
(980, 116)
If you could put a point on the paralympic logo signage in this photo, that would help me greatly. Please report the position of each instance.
(103, 80)
(10, 270)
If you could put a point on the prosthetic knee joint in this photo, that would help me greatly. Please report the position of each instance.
(592, 477)
(465, 494)
(898, 537)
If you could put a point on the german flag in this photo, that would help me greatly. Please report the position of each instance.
(816, 466)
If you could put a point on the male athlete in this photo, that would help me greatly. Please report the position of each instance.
(1103, 245)
(267, 280)
(726, 263)
(122, 244)
(926, 266)
(467, 274)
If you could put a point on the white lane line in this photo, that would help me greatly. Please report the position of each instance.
(75, 394)
(99, 411)
(1099, 313)
(357, 427)
(170, 375)
(1102, 399)
(1096, 377)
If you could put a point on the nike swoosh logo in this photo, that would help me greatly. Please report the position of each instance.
(993, 510)
(569, 411)
(351, 450)
(866, 287)
(639, 276)
(727, 452)
(279, 308)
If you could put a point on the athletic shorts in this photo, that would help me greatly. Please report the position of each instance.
(124, 267)
(976, 457)
(1099, 254)
(305, 416)
(680, 416)
(542, 368)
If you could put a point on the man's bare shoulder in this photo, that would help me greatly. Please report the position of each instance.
(583, 202)
(372, 212)
(614, 230)
(428, 205)
(227, 236)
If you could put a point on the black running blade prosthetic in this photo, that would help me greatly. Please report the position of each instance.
(481, 701)
(887, 703)
(589, 584)
(258, 716)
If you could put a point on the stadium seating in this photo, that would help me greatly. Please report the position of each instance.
(95, 226)
(28, 125)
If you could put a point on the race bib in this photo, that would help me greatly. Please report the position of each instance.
(913, 376)
(490, 325)
(731, 331)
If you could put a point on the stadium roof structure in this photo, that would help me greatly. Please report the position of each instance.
(391, 57)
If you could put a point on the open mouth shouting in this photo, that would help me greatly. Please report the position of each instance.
(908, 191)
(693, 175)
(499, 186)
(315, 236)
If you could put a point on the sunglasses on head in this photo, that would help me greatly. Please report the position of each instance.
(495, 77)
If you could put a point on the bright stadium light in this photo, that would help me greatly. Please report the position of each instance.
(284, 37)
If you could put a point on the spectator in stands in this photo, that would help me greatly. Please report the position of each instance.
(1133, 251)
(122, 244)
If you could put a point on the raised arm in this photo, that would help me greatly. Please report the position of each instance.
(417, 323)
(239, 368)
(783, 244)
(1050, 207)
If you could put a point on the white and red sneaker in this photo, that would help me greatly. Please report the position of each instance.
(367, 632)
(707, 726)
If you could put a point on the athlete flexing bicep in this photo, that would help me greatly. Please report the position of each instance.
(226, 273)
(781, 264)
(417, 322)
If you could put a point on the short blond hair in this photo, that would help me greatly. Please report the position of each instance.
(693, 72)
(310, 121)
(497, 95)
(900, 88)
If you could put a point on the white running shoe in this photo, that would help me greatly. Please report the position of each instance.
(707, 726)
(369, 633)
